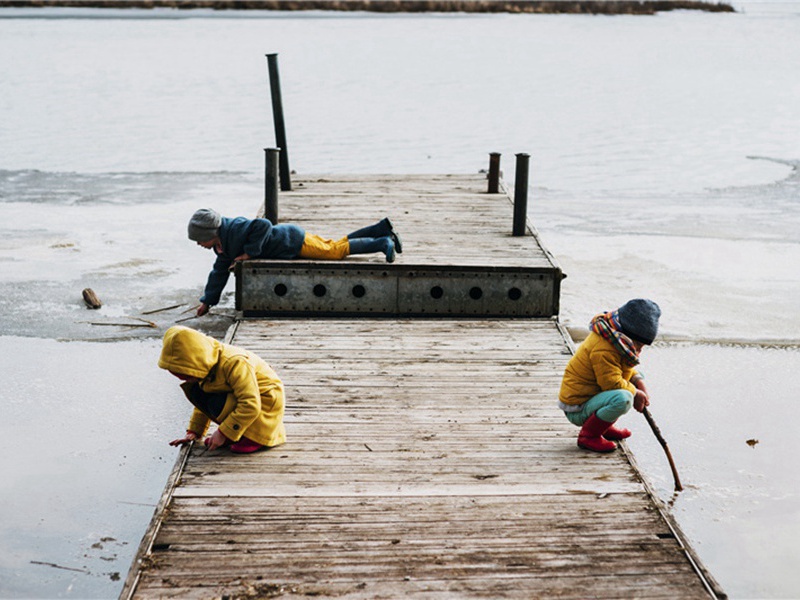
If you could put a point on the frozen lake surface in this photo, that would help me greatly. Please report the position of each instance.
(665, 155)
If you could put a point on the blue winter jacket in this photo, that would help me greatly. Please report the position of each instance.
(258, 238)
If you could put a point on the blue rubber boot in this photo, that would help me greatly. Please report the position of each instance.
(370, 245)
(382, 228)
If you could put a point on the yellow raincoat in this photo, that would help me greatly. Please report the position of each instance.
(595, 367)
(254, 405)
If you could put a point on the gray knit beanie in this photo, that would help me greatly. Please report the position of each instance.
(638, 319)
(204, 225)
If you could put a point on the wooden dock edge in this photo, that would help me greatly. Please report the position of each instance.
(596, 7)
(139, 562)
(505, 189)
(709, 582)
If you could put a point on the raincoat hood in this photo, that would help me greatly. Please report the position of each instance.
(189, 352)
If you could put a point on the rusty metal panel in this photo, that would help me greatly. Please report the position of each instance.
(317, 290)
(269, 288)
(476, 292)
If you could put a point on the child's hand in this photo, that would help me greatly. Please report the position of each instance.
(202, 309)
(215, 440)
(641, 400)
(242, 257)
(190, 437)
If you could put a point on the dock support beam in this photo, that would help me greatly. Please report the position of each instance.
(521, 195)
(271, 159)
(277, 117)
(494, 173)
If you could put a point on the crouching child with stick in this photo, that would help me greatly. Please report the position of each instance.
(228, 385)
(601, 383)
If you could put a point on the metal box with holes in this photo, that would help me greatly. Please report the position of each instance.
(270, 288)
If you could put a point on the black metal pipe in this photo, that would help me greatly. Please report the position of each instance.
(277, 117)
(494, 173)
(271, 160)
(521, 195)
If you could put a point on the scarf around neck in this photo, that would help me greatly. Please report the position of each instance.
(607, 326)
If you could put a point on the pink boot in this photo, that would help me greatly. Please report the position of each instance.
(245, 446)
(617, 433)
(591, 435)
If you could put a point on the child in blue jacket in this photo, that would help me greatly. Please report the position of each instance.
(236, 239)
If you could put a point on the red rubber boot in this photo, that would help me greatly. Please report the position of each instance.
(617, 433)
(245, 446)
(591, 435)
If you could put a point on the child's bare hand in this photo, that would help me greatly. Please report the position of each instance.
(242, 257)
(215, 440)
(641, 400)
(202, 309)
(189, 437)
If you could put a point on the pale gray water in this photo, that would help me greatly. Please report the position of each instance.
(114, 128)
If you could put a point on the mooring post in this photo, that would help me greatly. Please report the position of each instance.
(521, 195)
(271, 160)
(277, 117)
(494, 172)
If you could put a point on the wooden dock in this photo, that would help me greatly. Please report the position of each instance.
(605, 7)
(461, 258)
(425, 457)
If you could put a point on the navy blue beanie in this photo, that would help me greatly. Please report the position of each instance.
(638, 319)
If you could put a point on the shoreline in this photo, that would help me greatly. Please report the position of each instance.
(605, 7)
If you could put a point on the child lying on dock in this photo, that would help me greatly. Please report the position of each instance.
(228, 385)
(600, 383)
(241, 239)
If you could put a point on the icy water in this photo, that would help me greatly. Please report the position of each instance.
(665, 154)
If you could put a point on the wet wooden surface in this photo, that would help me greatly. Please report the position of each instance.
(443, 220)
(423, 459)
(608, 7)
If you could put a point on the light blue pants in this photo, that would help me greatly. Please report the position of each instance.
(609, 406)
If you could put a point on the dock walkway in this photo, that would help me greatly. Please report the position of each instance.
(606, 7)
(425, 457)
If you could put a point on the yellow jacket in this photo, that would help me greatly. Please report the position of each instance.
(254, 406)
(596, 367)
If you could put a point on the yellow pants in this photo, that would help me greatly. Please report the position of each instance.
(319, 248)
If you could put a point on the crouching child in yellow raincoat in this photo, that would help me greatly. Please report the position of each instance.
(601, 383)
(228, 385)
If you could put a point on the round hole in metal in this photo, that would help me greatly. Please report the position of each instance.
(281, 289)
(514, 293)
(476, 293)
(359, 291)
(436, 292)
(320, 290)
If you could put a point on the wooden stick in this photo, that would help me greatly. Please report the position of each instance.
(663, 442)
(144, 324)
(158, 310)
(55, 566)
(149, 323)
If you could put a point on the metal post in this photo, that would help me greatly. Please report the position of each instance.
(277, 117)
(521, 195)
(494, 173)
(271, 159)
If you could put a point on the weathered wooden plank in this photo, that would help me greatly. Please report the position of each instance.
(424, 458)
(457, 240)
